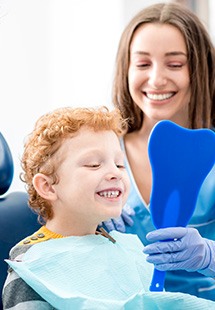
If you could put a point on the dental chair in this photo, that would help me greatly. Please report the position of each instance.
(16, 218)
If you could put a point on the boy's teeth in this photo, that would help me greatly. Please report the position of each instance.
(109, 194)
(159, 96)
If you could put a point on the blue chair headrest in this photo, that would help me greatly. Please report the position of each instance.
(16, 218)
(6, 166)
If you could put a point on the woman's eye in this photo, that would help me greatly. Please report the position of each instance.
(143, 65)
(175, 65)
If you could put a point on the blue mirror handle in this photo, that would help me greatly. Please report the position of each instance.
(158, 279)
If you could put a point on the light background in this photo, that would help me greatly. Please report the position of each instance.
(61, 53)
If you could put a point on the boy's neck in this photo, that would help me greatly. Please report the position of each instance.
(71, 230)
(52, 235)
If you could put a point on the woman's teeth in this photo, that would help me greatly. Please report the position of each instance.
(159, 96)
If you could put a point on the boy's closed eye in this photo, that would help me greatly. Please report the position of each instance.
(92, 165)
(97, 165)
(120, 166)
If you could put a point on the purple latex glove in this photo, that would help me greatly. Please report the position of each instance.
(181, 248)
(120, 222)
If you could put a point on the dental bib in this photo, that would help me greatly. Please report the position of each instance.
(91, 272)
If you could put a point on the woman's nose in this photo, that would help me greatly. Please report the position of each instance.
(157, 77)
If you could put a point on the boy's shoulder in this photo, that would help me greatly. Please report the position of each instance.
(36, 237)
(26, 243)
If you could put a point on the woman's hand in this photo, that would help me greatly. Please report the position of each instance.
(120, 222)
(180, 248)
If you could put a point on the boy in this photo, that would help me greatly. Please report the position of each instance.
(75, 175)
(74, 171)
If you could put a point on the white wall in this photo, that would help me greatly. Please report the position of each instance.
(211, 23)
(53, 53)
(56, 53)
(24, 77)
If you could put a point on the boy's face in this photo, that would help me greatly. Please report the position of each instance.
(93, 183)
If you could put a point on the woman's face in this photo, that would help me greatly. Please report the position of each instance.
(158, 75)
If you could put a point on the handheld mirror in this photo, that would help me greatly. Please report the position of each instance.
(180, 160)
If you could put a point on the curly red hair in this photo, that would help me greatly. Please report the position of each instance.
(46, 138)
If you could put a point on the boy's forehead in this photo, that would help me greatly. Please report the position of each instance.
(93, 135)
(91, 145)
(89, 139)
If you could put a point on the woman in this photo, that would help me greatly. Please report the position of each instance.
(165, 69)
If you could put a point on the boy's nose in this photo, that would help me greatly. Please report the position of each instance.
(114, 173)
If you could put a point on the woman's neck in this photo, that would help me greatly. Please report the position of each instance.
(148, 125)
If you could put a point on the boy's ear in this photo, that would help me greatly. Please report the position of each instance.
(43, 185)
